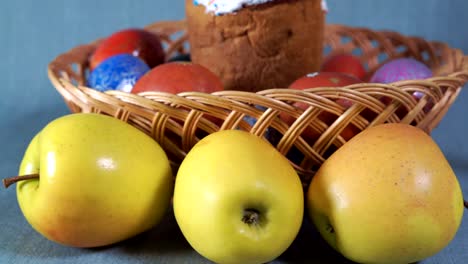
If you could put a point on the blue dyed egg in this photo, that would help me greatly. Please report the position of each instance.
(270, 134)
(400, 70)
(181, 57)
(119, 72)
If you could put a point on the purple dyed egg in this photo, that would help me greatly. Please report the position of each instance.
(401, 70)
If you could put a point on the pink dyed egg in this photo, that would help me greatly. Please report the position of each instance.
(400, 70)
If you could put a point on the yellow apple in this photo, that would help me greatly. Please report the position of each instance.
(238, 200)
(100, 181)
(387, 196)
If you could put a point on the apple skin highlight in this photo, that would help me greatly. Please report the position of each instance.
(101, 181)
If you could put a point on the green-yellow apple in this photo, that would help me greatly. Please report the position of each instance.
(238, 200)
(387, 196)
(100, 181)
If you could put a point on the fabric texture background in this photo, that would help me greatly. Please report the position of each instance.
(33, 32)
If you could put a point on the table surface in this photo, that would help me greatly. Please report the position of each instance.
(34, 32)
(19, 243)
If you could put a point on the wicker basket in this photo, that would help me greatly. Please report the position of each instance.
(166, 119)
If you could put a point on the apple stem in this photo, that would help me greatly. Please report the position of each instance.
(251, 216)
(9, 181)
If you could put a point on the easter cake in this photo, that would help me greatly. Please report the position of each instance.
(254, 45)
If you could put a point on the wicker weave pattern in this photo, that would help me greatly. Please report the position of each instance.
(177, 122)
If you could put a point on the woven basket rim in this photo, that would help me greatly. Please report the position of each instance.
(153, 111)
(179, 25)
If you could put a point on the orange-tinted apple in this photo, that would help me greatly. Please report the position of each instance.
(389, 195)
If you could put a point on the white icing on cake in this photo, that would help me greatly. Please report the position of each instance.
(324, 6)
(220, 7)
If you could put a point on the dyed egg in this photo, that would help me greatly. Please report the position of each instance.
(119, 72)
(323, 79)
(345, 63)
(400, 70)
(326, 79)
(181, 57)
(271, 134)
(137, 42)
(177, 77)
(252, 120)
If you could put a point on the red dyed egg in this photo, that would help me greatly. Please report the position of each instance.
(323, 79)
(138, 42)
(177, 77)
(326, 79)
(345, 63)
